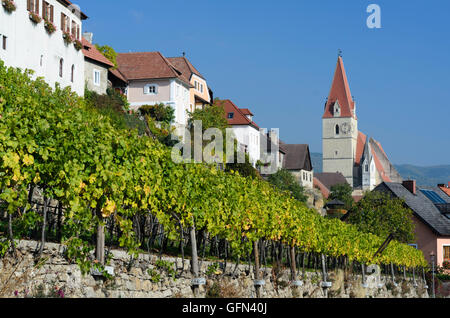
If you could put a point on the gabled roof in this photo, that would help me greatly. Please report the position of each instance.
(148, 65)
(360, 143)
(422, 207)
(185, 66)
(297, 157)
(117, 74)
(246, 111)
(91, 52)
(329, 179)
(340, 91)
(239, 117)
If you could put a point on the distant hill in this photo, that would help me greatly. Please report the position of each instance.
(425, 176)
(316, 159)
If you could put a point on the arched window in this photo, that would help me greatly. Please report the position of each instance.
(337, 129)
(61, 63)
(72, 74)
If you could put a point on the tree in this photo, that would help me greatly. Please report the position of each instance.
(342, 192)
(380, 214)
(285, 181)
(159, 119)
(108, 52)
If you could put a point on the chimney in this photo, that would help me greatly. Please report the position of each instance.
(89, 36)
(410, 185)
(448, 184)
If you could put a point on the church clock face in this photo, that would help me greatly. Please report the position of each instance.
(345, 128)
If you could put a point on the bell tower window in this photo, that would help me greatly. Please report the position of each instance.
(337, 129)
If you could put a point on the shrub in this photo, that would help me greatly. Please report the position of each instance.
(49, 26)
(67, 38)
(9, 5)
(78, 45)
(35, 18)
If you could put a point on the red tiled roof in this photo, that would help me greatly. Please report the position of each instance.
(239, 117)
(340, 91)
(185, 66)
(323, 189)
(117, 74)
(246, 111)
(446, 190)
(91, 52)
(361, 142)
(148, 65)
(380, 168)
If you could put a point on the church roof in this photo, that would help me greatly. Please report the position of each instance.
(340, 91)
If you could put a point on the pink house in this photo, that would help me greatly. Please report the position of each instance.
(431, 215)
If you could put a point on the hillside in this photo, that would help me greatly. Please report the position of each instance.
(425, 176)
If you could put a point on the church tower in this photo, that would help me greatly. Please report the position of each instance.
(340, 128)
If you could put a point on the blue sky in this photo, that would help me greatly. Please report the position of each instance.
(278, 58)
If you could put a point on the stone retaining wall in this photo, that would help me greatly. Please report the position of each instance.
(54, 276)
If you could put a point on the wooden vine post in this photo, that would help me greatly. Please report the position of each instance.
(195, 267)
(100, 247)
(293, 264)
(257, 270)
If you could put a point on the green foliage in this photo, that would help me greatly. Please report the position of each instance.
(380, 214)
(212, 269)
(159, 119)
(342, 192)
(212, 116)
(159, 112)
(285, 181)
(155, 276)
(57, 141)
(108, 52)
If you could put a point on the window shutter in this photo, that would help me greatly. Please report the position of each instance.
(51, 13)
(62, 22)
(44, 11)
(37, 7)
(28, 5)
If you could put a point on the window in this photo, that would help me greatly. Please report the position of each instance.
(201, 88)
(150, 89)
(447, 252)
(97, 77)
(61, 64)
(47, 11)
(72, 73)
(65, 23)
(367, 168)
(75, 31)
(337, 129)
(33, 6)
(4, 42)
(41, 61)
(230, 115)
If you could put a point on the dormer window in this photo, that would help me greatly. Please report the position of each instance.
(336, 109)
(230, 115)
(151, 89)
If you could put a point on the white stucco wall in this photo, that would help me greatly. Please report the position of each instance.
(28, 44)
(249, 136)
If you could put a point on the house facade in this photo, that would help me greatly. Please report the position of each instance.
(200, 95)
(27, 44)
(431, 216)
(297, 160)
(246, 131)
(96, 66)
(152, 79)
(347, 150)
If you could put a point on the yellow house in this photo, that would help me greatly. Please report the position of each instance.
(200, 94)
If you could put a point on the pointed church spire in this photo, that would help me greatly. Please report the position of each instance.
(340, 91)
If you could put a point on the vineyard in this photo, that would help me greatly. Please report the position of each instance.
(68, 174)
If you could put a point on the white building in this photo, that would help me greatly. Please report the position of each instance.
(29, 44)
(152, 79)
(246, 131)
